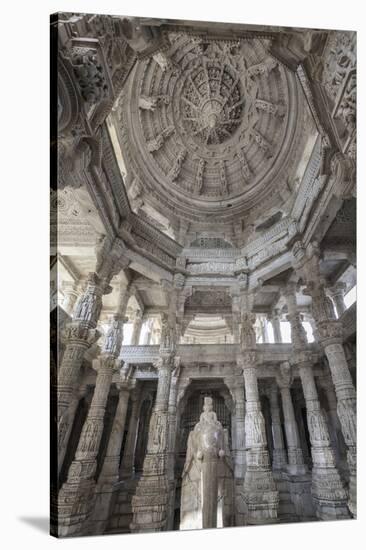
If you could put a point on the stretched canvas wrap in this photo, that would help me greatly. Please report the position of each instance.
(203, 289)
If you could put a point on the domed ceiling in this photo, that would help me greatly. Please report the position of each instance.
(210, 130)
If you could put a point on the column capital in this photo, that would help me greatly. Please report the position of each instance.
(106, 362)
(330, 332)
(78, 332)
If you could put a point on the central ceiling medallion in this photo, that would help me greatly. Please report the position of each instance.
(210, 129)
(212, 102)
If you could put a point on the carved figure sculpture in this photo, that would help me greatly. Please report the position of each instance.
(207, 476)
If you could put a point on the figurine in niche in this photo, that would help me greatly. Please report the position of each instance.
(207, 484)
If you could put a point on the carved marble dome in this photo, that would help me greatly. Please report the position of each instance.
(209, 133)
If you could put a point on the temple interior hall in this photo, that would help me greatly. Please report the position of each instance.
(203, 275)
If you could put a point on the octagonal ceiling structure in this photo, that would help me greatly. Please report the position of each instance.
(213, 134)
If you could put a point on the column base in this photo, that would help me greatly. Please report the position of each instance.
(261, 497)
(75, 505)
(150, 505)
(104, 493)
(279, 461)
(329, 495)
(299, 488)
(352, 489)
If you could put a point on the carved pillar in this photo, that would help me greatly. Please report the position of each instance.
(78, 336)
(336, 293)
(151, 501)
(276, 325)
(346, 399)
(76, 496)
(279, 452)
(172, 434)
(109, 474)
(240, 454)
(329, 333)
(338, 443)
(264, 331)
(71, 294)
(327, 488)
(295, 457)
(260, 490)
(148, 333)
(126, 470)
(136, 331)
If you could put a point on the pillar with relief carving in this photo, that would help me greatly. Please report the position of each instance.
(79, 335)
(109, 475)
(71, 294)
(329, 334)
(274, 318)
(279, 451)
(76, 497)
(152, 498)
(136, 329)
(296, 465)
(336, 294)
(260, 490)
(327, 488)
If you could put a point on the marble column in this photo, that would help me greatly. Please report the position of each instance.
(264, 331)
(136, 330)
(109, 474)
(329, 333)
(127, 463)
(172, 435)
(331, 340)
(336, 293)
(239, 451)
(327, 488)
(148, 333)
(338, 443)
(79, 335)
(260, 490)
(76, 497)
(276, 325)
(151, 500)
(279, 451)
(71, 295)
(259, 487)
(296, 465)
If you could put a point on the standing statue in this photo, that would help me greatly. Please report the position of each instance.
(207, 489)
